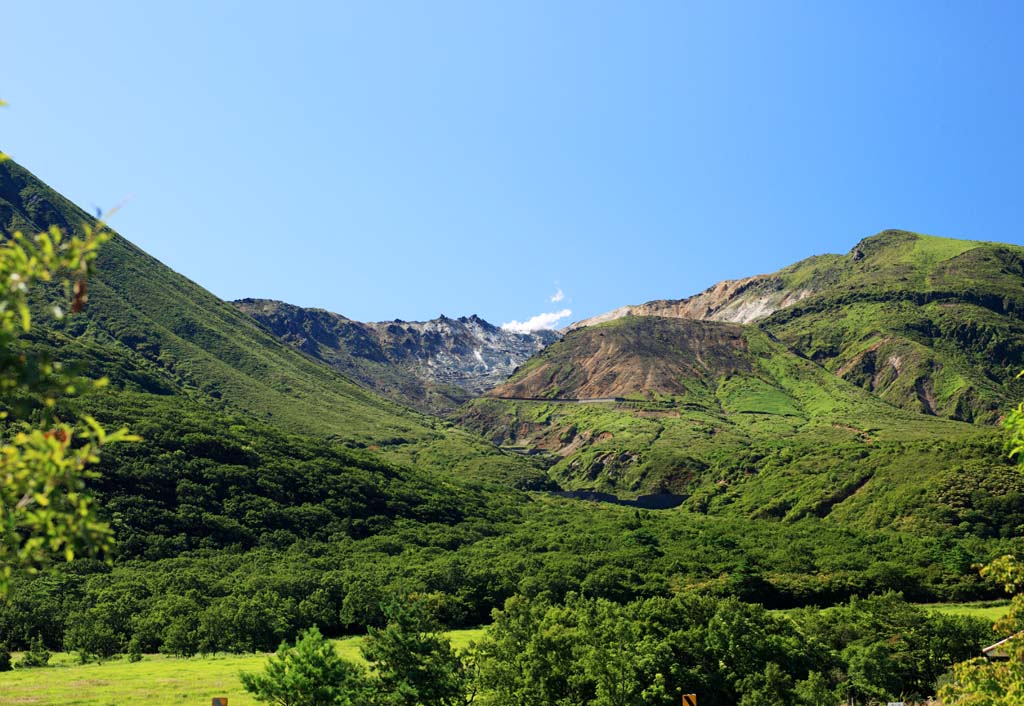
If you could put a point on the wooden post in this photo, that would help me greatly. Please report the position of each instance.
(689, 700)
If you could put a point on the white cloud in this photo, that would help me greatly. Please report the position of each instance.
(538, 322)
(557, 296)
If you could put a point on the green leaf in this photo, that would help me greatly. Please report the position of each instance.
(26, 316)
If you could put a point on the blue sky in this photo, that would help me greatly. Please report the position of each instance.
(402, 160)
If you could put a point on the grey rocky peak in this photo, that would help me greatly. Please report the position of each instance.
(467, 352)
(430, 365)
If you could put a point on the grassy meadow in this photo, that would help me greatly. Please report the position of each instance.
(155, 681)
(987, 610)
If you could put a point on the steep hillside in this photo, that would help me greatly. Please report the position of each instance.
(731, 418)
(153, 331)
(432, 366)
(930, 324)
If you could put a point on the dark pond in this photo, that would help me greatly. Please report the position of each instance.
(655, 501)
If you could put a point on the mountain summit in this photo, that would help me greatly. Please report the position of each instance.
(433, 366)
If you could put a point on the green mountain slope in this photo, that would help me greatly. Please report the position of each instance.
(154, 331)
(933, 325)
(729, 416)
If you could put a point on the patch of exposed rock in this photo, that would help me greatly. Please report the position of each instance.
(467, 352)
(737, 301)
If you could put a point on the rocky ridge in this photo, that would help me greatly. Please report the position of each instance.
(431, 365)
(739, 301)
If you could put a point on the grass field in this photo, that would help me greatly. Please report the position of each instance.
(155, 681)
(989, 610)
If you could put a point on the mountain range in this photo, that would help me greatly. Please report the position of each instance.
(931, 325)
(907, 342)
(824, 389)
(824, 432)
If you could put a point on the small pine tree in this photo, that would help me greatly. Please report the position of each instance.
(414, 662)
(5, 658)
(309, 674)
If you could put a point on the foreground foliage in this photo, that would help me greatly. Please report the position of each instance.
(593, 652)
(588, 651)
(45, 510)
(411, 664)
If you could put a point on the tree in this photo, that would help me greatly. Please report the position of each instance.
(1014, 425)
(309, 674)
(814, 691)
(511, 666)
(46, 512)
(37, 655)
(770, 687)
(92, 636)
(414, 662)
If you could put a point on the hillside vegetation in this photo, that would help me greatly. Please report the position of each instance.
(730, 417)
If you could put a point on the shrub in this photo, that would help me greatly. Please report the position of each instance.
(309, 674)
(37, 655)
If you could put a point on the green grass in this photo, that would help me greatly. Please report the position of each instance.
(155, 681)
(754, 396)
(988, 610)
(930, 249)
